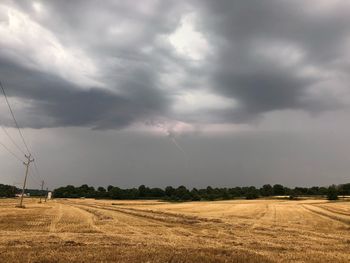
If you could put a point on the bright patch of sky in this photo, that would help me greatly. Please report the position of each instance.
(187, 41)
(21, 37)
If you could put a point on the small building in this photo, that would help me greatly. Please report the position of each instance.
(24, 195)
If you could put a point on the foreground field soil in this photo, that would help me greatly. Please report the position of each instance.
(87, 230)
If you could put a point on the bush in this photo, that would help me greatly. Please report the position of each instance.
(293, 197)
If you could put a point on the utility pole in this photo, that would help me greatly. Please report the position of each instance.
(47, 193)
(29, 160)
(41, 192)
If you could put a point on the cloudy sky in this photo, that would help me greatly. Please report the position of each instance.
(157, 92)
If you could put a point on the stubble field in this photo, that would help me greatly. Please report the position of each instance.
(86, 230)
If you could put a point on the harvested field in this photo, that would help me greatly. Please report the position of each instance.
(86, 230)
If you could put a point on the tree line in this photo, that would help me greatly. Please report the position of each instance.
(7, 190)
(181, 193)
(11, 191)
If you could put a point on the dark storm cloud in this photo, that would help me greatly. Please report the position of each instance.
(260, 55)
(130, 75)
(319, 31)
(240, 33)
(57, 102)
(261, 91)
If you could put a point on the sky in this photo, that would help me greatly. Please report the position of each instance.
(159, 92)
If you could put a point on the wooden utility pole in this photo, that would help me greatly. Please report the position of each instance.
(29, 160)
(42, 188)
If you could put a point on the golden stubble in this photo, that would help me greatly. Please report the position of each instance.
(87, 230)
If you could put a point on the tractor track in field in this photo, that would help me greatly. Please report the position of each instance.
(56, 219)
(168, 223)
(332, 210)
(326, 213)
(164, 217)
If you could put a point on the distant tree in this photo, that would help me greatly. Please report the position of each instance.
(315, 190)
(244, 191)
(266, 190)
(252, 193)
(278, 189)
(169, 191)
(101, 192)
(68, 191)
(86, 191)
(115, 193)
(101, 189)
(210, 190)
(195, 195)
(323, 190)
(332, 193)
(142, 191)
(301, 190)
(344, 189)
(287, 190)
(225, 195)
(157, 192)
(174, 198)
(182, 193)
(235, 192)
(7, 190)
(132, 193)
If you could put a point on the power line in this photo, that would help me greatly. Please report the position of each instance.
(34, 179)
(34, 175)
(11, 152)
(37, 170)
(12, 140)
(29, 160)
(13, 116)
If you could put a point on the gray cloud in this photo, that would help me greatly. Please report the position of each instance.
(106, 65)
(247, 37)
(57, 102)
(265, 55)
(131, 76)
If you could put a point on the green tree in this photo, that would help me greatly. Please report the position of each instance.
(142, 191)
(332, 193)
(344, 189)
(266, 190)
(278, 189)
(195, 195)
(252, 193)
(7, 190)
(169, 191)
(116, 193)
(182, 193)
(101, 189)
